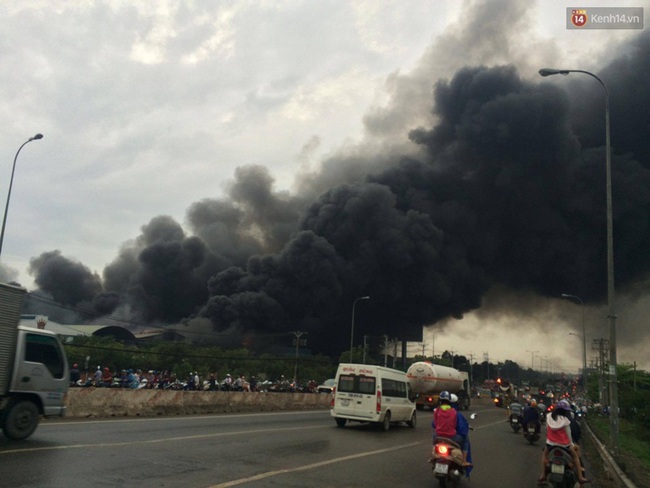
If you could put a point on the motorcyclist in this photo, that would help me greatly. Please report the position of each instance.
(445, 422)
(107, 378)
(531, 414)
(462, 431)
(515, 409)
(558, 433)
(444, 418)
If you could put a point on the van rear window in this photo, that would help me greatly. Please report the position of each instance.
(352, 383)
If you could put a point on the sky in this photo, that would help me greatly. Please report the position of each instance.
(225, 121)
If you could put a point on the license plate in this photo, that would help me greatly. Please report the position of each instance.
(531, 430)
(514, 420)
(345, 402)
(557, 468)
(441, 468)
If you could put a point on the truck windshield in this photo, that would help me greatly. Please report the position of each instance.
(353, 383)
(45, 349)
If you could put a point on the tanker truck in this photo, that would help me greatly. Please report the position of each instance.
(427, 380)
(34, 376)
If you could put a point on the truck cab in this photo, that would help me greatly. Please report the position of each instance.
(34, 376)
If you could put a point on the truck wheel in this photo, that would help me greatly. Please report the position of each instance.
(385, 424)
(20, 420)
(340, 422)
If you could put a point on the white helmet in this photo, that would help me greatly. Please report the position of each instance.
(454, 398)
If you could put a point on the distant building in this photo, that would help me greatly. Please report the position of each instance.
(69, 332)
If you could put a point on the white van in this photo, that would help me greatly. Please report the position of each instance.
(367, 393)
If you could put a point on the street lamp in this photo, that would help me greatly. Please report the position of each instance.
(354, 304)
(611, 314)
(532, 359)
(11, 181)
(584, 339)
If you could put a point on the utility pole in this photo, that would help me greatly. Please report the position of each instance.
(471, 356)
(297, 333)
(385, 351)
(486, 358)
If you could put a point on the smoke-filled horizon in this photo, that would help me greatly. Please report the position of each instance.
(505, 187)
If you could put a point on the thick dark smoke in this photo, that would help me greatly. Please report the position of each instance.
(508, 191)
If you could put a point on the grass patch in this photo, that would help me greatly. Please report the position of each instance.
(635, 451)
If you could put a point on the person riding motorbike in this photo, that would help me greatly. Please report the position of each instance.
(558, 433)
(445, 422)
(515, 408)
(462, 430)
(531, 414)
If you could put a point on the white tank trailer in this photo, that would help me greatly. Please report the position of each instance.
(427, 380)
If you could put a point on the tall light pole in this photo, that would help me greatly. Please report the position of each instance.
(354, 304)
(584, 339)
(11, 182)
(611, 314)
(532, 359)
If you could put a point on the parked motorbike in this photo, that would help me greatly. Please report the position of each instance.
(530, 433)
(560, 473)
(515, 422)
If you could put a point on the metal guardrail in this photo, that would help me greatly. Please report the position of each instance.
(614, 470)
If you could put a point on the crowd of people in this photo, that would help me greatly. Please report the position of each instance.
(138, 379)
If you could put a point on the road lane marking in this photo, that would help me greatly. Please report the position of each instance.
(269, 474)
(157, 441)
(85, 421)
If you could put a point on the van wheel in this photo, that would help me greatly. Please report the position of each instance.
(340, 422)
(385, 424)
(20, 420)
(413, 422)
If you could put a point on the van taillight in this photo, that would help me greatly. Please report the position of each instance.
(332, 400)
(379, 402)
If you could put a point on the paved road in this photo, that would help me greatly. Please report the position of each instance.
(289, 449)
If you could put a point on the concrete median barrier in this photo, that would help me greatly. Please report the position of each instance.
(119, 402)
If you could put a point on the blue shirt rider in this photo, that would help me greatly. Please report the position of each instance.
(462, 430)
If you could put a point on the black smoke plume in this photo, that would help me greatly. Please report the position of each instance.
(507, 190)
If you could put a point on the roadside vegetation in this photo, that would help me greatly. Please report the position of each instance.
(634, 421)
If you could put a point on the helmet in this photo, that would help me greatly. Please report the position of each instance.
(563, 405)
(454, 398)
(533, 403)
(444, 395)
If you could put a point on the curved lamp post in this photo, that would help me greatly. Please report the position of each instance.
(11, 182)
(584, 339)
(611, 314)
(354, 304)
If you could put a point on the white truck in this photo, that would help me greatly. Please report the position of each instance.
(34, 375)
(428, 380)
